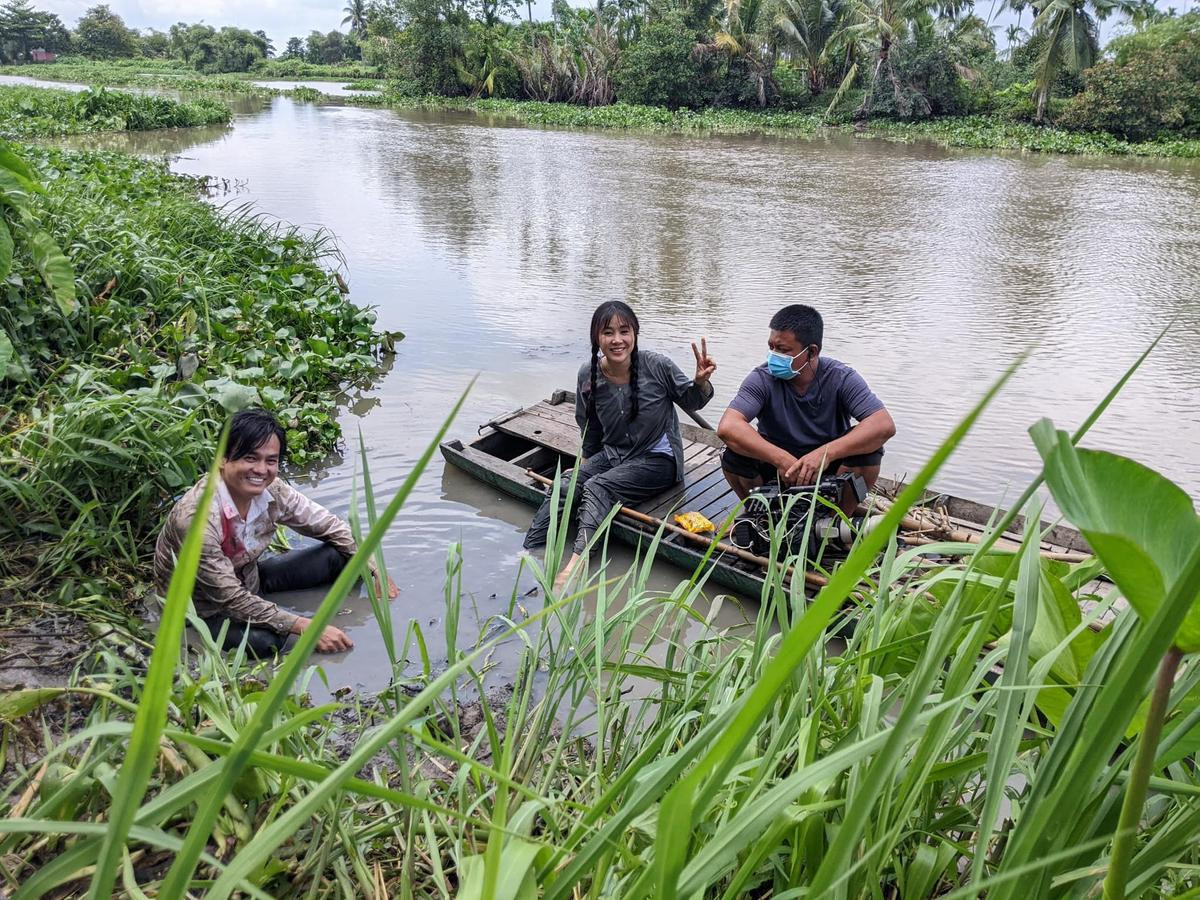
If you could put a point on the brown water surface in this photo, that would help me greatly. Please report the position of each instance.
(489, 244)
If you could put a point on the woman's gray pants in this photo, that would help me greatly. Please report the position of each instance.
(599, 487)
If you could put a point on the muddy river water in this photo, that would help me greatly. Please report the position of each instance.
(489, 244)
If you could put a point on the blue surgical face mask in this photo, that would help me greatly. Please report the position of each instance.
(780, 364)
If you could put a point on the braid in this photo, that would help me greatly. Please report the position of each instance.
(592, 395)
(633, 373)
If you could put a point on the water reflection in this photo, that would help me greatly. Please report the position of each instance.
(490, 244)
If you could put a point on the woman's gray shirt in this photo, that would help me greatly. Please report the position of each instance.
(661, 384)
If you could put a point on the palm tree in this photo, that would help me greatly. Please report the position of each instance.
(1072, 39)
(814, 31)
(1014, 34)
(881, 23)
(356, 16)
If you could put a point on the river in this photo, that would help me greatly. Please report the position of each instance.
(489, 244)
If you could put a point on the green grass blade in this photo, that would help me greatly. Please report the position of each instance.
(142, 754)
(179, 875)
(707, 776)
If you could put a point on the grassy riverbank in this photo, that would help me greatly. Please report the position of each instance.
(979, 132)
(976, 132)
(128, 73)
(113, 400)
(44, 112)
(640, 745)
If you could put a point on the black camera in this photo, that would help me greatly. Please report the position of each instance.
(791, 509)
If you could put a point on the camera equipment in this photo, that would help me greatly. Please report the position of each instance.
(790, 509)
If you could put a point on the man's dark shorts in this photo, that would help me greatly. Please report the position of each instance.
(748, 467)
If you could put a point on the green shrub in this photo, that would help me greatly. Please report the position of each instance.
(422, 59)
(660, 68)
(1015, 102)
(743, 83)
(1154, 94)
(791, 85)
(925, 83)
(1167, 33)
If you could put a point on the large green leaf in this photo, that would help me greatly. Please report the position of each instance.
(1141, 526)
(141, 755)
(6, 353)
(6, 249)
(55, 270)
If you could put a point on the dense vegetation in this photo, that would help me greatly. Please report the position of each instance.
(839, 60)
(39, 112)
(120, 354)
(976, 733)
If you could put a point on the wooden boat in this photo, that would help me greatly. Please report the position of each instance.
(519, 453)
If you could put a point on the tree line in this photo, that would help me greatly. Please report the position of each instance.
(904, 59)
(102, 34)
(843, 59)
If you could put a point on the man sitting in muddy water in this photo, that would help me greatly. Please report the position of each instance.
(248, 503)
(804, 404)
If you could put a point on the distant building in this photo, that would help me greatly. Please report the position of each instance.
(42, 56)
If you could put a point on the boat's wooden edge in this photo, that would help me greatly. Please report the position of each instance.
(957, 509)
(513, 480)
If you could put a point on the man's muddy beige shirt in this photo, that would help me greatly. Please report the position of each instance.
(227, 579)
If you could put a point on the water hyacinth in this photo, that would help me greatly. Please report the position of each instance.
(39, 112)
(111, 405)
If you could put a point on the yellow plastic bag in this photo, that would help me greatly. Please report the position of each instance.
(694, 522)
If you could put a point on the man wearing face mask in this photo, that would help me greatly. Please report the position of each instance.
(804, 404)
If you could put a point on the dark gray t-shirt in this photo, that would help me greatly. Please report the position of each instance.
(661, 384)
(802, 422)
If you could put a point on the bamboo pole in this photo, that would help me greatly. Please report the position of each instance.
(946, 532)
(809, 577)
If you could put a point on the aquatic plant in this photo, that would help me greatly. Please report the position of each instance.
(298, 68)
(126, 72)
(645, 750)
(30, 111)
(110, 406)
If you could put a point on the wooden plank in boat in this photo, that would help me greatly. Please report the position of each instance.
(695, 482)
(541, 430)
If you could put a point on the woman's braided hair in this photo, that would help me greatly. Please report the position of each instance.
(605, 313)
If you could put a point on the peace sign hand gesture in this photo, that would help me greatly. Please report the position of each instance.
(705, 365)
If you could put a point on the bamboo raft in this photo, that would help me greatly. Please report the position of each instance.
(519, 452)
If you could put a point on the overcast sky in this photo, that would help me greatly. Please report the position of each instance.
(282, 19)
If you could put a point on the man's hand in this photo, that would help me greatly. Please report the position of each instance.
(705, 365)
(805, 469)
(332, 640)
(392, 591)
(783, 467)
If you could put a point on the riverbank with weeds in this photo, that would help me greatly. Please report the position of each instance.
(974, 132)
(112, 402)
(978, 132)
(45, 112)
(973, 733)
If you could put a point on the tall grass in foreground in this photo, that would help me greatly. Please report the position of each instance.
(643, 750)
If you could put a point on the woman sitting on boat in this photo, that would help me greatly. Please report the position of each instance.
(625, 406)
